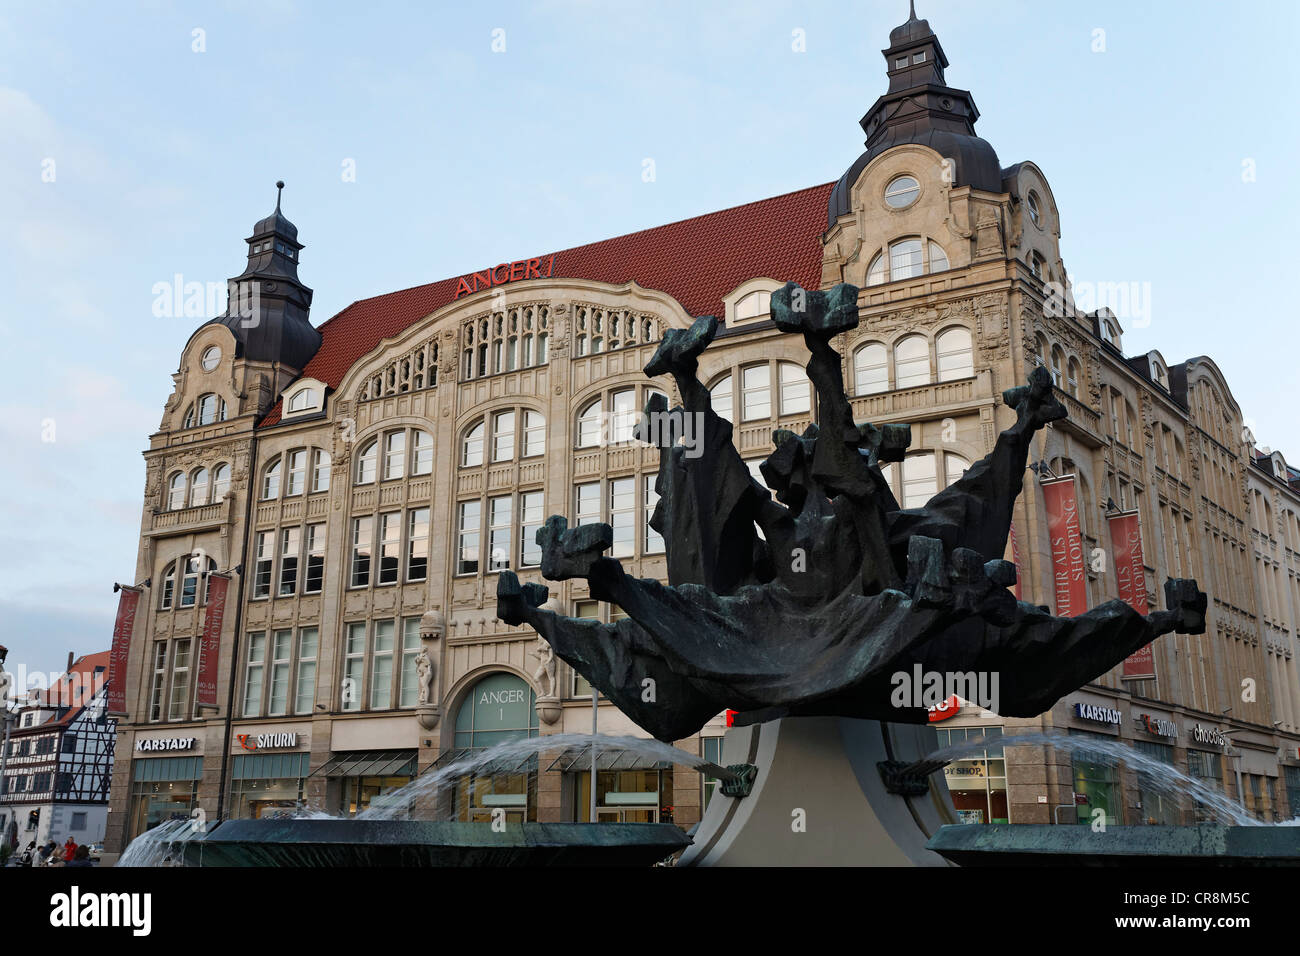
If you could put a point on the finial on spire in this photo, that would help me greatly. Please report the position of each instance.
(279, 188)
(911, 9)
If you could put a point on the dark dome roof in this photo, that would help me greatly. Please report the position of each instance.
(910, 32)
(278, 224)
(975, 163)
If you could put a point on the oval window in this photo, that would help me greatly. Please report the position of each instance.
(1034, 214)
(902, 191)
(211, 356)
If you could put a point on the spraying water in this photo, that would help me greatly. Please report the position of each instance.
(1156, 774)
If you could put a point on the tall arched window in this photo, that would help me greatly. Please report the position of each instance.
(954, 466)
(623, 414)
(905, 259)
(870, 369)
(503, 436)
(271, 481)
(796, 390)
(534, 442)
(721, 398)
(912, 362)
(938, 258)
(212, 409)
(421, 453)
(1058, 363)
(878, 273)
(220, 482)
(394, 455)
(199, 488)
(956, 358)
(920, 482)
(367, 458)
(1072, 375)
(176, 491)
(471, 452)
(320, 470)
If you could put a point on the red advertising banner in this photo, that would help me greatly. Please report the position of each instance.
(1069, 585)
(1126, 549)
(120, 653)
(205, 684)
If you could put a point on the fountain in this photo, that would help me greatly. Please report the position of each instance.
(798, 610)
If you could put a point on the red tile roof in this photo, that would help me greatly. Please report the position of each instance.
(696, 261)
(75, 694)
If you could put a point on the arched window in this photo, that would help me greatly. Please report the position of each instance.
(870, 369)
(589, 421)
(721, 399)
(220, 482)
(320, 471)
(1044, 351)
(211, 408)
(755, 393)
(394, 455)
(1072, 375)
(938, 258)
(1110, 332)
(905, 259)
(753, 305)
(302, 399)
(168, 587)
(956, 359)
(295, 475)
(623, 415)
(954, 466)
(366, 462)
(796, 390)
(471, 449)
(503, 436)
(1037, 265)
(176, 492)
(1031, 201)
(912, 362)
(271, 481)
(1058, 363)
(877, 274)
(199, 488)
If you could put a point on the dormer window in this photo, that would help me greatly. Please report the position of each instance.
(302, 400)
(754, 305)
(1109, 332)
(1037, 265)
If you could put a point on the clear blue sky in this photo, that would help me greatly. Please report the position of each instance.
(165, 157)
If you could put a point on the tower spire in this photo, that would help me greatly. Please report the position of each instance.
(279, 188)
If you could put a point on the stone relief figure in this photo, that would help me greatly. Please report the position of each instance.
(424, 673)
(843, 588)
(546, 668)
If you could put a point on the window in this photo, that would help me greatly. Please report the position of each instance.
(354, 666)
(654, 542)
(796, 390)
(530, 522)
(938, 258)
(622, 516)
(905, 259)
(589, 425)
(956, 359)
(220, 482)
(305, 682)
(870, 369)
(756, 393)
(271, 481)
(381, 666)
(877, 274)
(1058, 361)
(954, 467)
(176, 492)
(156, 684)
(912, 362)
(534, 435)
(1110, 332)
(918, 57)
(315, 550)
(302, 400)
(503, 436)
(390, 546)
(408, 692)
(417, 544)
(262, 564)
(281, 652)
(394, 455)
(290, 541)
(199, 488)
(753, 305)
(1037, 265)
(1072, 372)
(295, 478)
(586, 611)
(499, 526)
(467, 546)
(320, 471)
(168, 587)
(902, 190)
(362, 542)
(190, 581)
(471, 455)
(720, 398)
(366, 461)
(254, 672)
(211, 356)
(1031, 202)
(421, 453)
(623, 408)
(211, 409)
(919, 480)
(900, 63)
(587, 504)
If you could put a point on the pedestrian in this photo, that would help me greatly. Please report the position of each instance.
(43, 855)
(28, 854)
(69, 849)
(56, 854)
(81, 857)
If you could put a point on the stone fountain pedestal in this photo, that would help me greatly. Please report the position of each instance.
(818, 798)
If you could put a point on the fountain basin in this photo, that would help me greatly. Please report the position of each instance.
(415, 843)
(1040, 844)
